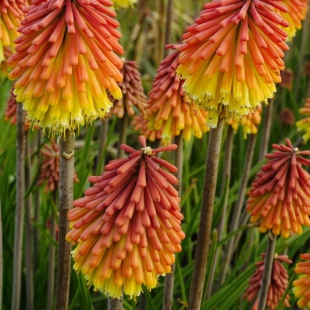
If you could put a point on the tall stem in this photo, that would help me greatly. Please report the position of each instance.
(19, 211)
(65, 204)
(115, 303)
(169, 279)
(51, 256)
(1, 258)
(122, 135)
(205, 225)
(169, 10)
(29, 240)
(224, 190)
(268, 263)
(267, 121)
(36, 213)
(239, 204)
(103, 137)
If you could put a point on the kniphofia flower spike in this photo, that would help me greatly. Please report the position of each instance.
(280, 194)
(65, 61)
(277, 286)
(127, 227)
(232, 56)
(168, 107)
(301, 285)
(132, 90)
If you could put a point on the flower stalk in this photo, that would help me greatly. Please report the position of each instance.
(201, 255)
(65, 204)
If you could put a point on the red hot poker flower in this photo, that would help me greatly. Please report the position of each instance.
(280, 194)
(278, 283)
(128, 225)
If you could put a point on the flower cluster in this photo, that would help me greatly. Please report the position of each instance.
(297, 10)
(277, 286)
(280, 194)
(232, 56)
(128, 225)
(65, 61)
(249, 122)
(304, 124)
(301, 285)
(49, 170)
(132, 90)
(168, 107)
(11, 15)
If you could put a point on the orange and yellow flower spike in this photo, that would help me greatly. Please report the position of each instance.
(128, 225)
(301, 288)
(11, 15)
(232, 56)
(297, 10)
(65, 62)
(168, 107)
(304, 124)
(280, 194)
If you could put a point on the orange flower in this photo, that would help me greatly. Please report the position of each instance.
(65, 61)
(10, 17)
(301, 288)
(132, 89)
(128, 224)
(49, 170)
(139, 123)
(280, 194)
(168, 107)
(232, 56)
(249, 122)
(277, 286)
(304, 124)
(297, 10)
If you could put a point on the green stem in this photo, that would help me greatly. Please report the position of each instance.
(19, 211)
(267, 121)
(103, 137)
(268, 264)
(169, 279)
(224, 191)
(203, 241)
(169, 10)
(1, 258)
(122, 135)
(28, 239)
(65, 204)
(51, 255)
(239, 205)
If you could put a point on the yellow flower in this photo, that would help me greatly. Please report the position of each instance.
(232, 56)
(65, 61)
(123, 3)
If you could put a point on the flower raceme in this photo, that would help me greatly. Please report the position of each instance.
(65, 61)
(232, 56)
(168, 107)
(127, 227)
(280, 194)
(132, 90)
(301, 285)
(297, 10)
(277, 286)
